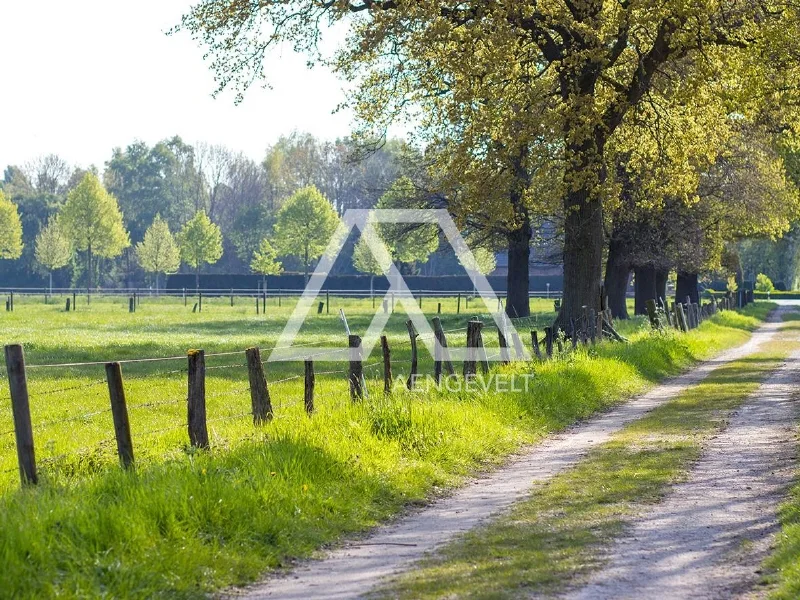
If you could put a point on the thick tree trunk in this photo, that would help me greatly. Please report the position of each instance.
(661, 284)
(583, 256)
(518, 278)
(644, 288)
(686, 286)
(618, 273)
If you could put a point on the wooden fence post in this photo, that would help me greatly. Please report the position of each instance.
(20, 406)
(387, 364)
(131, 305)
(231, 297)
(535, 344)
(308, 395)
(11, 301)
(559, 341)
(548, 341)
(259, 390)
(200, 302)
(470, 362)
(68, 307)
(356, 368)
(412, 334)
(519, 350)
(458, 304)
(74, 303)
(257, 301)
(482, 358)
(327, 302)
(682, 317)
(119, 411)
(442, 350)
(652, 314)
(198, 430)
(264, 302)
(505, 358)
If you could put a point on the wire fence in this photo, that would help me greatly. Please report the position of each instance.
(256, 384)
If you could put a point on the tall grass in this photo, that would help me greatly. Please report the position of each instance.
(186, 523)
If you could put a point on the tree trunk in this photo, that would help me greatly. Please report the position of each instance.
(645, 288)
(661, 284)
(686, 286)
(305, 266)
(156, 283)
(197, 278)
(518, 278)
(583, 256)
(618, 273)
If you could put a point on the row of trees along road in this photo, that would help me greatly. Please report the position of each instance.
(669, 119)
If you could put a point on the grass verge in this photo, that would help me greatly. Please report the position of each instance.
(198, 522)
(558, 536)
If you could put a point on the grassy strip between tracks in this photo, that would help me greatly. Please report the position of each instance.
(202, 521)
(560, 535)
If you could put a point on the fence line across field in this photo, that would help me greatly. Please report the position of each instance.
(594, 326)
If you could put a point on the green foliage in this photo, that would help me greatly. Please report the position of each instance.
(265, 260)
(732, 286)
(158, 252)
(764, 283)
(305, 224)
(53, 249)
(200, 241)
(10, 229)
(410, 243)
(483, 261)
(91, 219)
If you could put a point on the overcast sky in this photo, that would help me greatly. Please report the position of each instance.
(83, 76)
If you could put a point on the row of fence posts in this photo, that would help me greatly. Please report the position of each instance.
(689, 315)
(134, 301)
(592, 327)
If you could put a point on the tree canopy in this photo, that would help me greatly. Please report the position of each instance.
(200, 242)
(10, 229)
(158, 252)
(304, 226)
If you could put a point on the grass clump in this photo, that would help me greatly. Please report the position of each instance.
(186, 523)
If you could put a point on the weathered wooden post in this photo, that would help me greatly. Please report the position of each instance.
(356, 368)
(308, 395)
(444, 356)
(458, 304)
(535, 345)
(259, 390)
(20, 407)
(681, 317)
(231, 297)
(387, 365)
(470, 362)
(74, 303)
(505, 358)
(327, 302)
(198, 430)
(482, 358)
(412, 334)
(519, 350)
(548, 341)
(652, 314)
(119, 412)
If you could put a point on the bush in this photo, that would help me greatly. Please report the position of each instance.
(764, 283)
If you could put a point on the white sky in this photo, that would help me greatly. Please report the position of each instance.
(80, 77)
